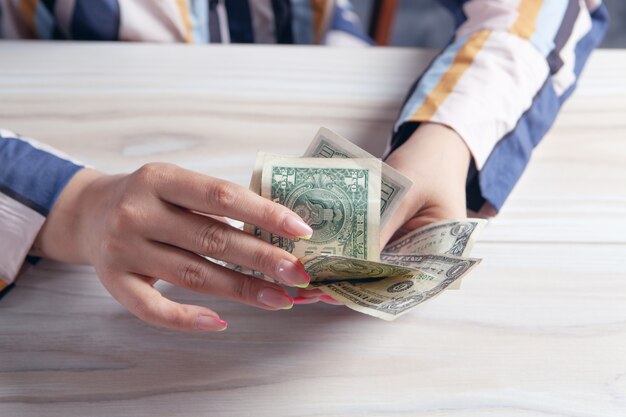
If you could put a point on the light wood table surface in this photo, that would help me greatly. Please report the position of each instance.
(539, 329)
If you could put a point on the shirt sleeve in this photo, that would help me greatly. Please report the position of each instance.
(501, 82)
(32, 176)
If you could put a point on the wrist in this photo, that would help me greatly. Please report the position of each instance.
(436, 159)
(431, 150)
(65, 232)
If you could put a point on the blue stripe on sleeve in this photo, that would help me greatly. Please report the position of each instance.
(509, 158)
(96, 20)
(32, 176)
(239, 21)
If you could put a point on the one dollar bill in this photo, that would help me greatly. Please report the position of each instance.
(391, 297)
(449, 237)
(339, 199)
(394, 185)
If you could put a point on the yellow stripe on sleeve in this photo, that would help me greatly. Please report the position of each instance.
(184, 14)
(528, 11)
(28, 8)
(462, 61)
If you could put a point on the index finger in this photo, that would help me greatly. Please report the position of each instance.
(210, 195)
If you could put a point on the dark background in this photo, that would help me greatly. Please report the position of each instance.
(426, 23)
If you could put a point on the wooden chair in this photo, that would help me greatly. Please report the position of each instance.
(381, 20)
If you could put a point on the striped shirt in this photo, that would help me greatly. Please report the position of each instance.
(499, 83)
(216, 21)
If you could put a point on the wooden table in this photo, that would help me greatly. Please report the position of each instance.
(538, 330)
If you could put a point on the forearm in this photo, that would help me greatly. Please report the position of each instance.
(500, 84)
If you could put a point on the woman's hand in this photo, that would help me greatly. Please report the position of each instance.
(436, 159)
(152, 224)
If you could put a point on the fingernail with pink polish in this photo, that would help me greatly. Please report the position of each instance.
(292, 274)
(210, 323)
(272, 298)
(297, 227)
(326, 298)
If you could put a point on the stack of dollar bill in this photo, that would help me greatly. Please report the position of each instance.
(346, 195)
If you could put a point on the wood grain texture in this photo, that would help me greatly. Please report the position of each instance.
(539, 329)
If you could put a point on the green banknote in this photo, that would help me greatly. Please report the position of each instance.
(339, 199)
(394, 185)
(394, 296)
(450, 237)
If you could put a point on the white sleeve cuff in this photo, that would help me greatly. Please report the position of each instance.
(20, 225)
